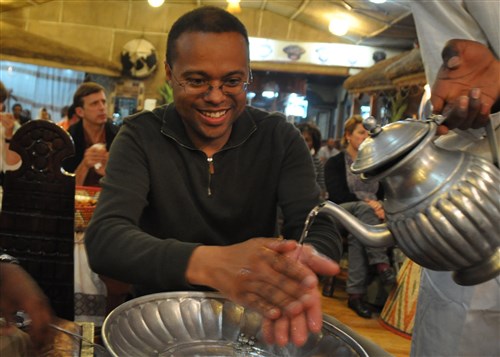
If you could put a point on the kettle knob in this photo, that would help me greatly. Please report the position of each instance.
(370, 124)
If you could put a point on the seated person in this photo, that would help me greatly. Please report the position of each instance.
(43, 114)
(9, 160)
(328, 150)
(312, 136)
(19, 114)
(92, 135)
(70, 118)
(190, 196)
(343, 188)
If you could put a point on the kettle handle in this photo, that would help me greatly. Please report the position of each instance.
(426, 108)
(490, 134)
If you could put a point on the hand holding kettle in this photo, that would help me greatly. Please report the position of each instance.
(467, 85)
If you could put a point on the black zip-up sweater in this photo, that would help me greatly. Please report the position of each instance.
(162, 197)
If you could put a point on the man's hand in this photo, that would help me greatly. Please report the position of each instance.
(275, 277)
(467, 85)
(18, 291)
(295, 328)
(96, 157)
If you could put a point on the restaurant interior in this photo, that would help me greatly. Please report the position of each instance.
(302, 66)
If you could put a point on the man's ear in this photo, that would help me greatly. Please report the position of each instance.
(79, 111)
(168, 74)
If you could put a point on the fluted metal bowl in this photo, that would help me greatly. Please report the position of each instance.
(207, 324)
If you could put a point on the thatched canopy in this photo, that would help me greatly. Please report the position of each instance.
(405, 69)
(408, 70)
(19, 45)
(372, 79)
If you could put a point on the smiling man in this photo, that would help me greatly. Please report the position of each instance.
(92, 135)
(191, 191)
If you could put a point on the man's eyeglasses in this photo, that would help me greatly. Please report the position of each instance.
(197, 86)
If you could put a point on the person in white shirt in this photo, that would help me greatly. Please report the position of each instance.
(9, 160)
(328, 150)
(460, 47)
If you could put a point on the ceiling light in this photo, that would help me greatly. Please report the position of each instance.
(339, 26)
(233, 6)
(156, 3)
(377, 1)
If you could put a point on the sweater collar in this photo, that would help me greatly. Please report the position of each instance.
(173, 126)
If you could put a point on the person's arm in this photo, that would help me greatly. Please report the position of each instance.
(11, 158)
(19, 292)
(117, 247)
(8, 122)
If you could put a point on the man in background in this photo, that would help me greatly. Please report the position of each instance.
(19, 114)
(69, 118)
(92, 135)
(328, 150)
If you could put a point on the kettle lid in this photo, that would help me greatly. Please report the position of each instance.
(388, 143)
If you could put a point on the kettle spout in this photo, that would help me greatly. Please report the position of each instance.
(371, 235)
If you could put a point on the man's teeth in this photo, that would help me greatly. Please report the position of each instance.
(214, 114)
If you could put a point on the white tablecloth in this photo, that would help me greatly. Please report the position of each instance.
(90, 290)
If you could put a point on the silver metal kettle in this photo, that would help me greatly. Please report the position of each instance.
(442, 207)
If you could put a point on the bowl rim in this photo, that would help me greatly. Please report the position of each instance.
(329, 323)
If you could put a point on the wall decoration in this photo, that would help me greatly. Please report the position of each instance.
(316, 53)
(294, 52)
(138, 58)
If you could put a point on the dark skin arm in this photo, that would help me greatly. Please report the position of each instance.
(467, 86)
(19, 292)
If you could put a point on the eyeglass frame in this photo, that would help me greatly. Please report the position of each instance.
(183, 84)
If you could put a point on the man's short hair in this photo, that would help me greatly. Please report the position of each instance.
(85, 89)
(16, 105)
(71, 111)
(209, 19)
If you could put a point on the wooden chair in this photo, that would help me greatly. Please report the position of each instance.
(37, 217)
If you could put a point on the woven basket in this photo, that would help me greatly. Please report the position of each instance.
(399, 310)
(85, 202)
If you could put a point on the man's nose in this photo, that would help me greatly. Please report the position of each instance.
(215, 94)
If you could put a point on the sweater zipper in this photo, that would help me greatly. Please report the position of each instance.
(211, 171)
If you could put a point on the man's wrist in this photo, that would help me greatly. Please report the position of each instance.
(196, 272)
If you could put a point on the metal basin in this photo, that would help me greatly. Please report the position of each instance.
(207, 324)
